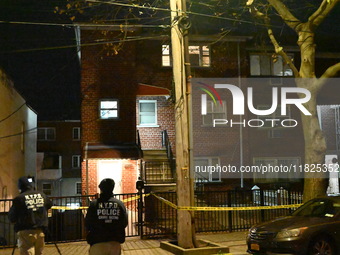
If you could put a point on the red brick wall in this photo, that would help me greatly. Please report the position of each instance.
(151, 136)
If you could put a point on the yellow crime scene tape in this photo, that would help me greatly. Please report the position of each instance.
(189, 208)
(86, 207)
(245, 208)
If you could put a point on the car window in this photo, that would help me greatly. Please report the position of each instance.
(318, 208)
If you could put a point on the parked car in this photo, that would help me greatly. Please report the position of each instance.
(314, 228)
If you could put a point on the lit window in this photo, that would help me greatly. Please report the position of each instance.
(76, 133)
(214, 111)
(203, 171)
(199, 55)
(147, 112)
(47, 188)
(269, 65)
(46, 134)
(78, 188)
(108, 109)
(76, 161)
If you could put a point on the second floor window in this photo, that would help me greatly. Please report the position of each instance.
(76, 133)
(199, 55)
(108, 109)
(78, 188)
(76, 161)
(269, 65)
(46, 134)
(147, 112)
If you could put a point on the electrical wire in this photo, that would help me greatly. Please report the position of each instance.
(12, 113)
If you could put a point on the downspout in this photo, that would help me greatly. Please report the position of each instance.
(87, 169)
(241, 129)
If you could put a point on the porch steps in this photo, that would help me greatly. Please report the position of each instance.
(157, 167)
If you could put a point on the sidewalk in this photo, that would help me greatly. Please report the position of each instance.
(134, 246)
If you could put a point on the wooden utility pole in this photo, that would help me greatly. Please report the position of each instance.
(185, 231)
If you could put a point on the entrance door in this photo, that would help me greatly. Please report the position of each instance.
(111, 169)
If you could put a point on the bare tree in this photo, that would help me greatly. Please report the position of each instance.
(315, 145)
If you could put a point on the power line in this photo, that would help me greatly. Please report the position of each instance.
(21, 133)
(13, 113)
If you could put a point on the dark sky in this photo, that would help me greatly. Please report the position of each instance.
(44, 72)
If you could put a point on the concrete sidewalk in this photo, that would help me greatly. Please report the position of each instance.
(135, 246)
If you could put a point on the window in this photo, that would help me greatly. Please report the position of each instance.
(203, 169)
(214, 111)
(47, 188)
(274, 120)
(199, 55)
(78, 188)
(76, 133)
(46, 134)
(279, 175)
(108, 109)
(147, 113)
(52, 161)
(76, 161)
(269, 65)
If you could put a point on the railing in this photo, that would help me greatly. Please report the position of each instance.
(157, 172)
(160, 218)
(166, 143)
(67, 219)
(157, 218)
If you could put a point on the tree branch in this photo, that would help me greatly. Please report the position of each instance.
(279, 50)
(320, 14)
(285, 14)
(331, 71)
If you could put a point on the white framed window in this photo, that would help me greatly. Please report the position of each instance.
(76, 161)
(215, 110)
(76, 133)
(46, 134)
(269, 65)
(277, 163)
(78, 188)
(199, 55)
(108, 109)
(47, 188)
(147, 112)
(203, 169)
(274, 120)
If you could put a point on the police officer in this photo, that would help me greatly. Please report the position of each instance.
(105, 221)
(29, 214)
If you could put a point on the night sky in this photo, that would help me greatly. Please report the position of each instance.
(44, 72)
(42, 59)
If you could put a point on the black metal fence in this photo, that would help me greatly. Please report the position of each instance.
(150, 216)
(161, 218)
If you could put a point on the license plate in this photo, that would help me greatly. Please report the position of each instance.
(255, 247)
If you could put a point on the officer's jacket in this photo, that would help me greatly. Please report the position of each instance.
(106, 220)
(29, 210)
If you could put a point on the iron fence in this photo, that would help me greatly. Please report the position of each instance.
(151, 217)
(161, 219)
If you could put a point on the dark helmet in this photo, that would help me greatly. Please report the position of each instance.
(25, 183)
(107, 185)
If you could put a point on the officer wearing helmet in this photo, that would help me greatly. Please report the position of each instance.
(29, 214)
(105, 221)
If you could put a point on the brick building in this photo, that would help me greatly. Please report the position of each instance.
(128, 88)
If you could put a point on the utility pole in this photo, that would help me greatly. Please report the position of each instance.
(179, 47)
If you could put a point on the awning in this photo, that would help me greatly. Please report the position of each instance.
(112, 151)
(149, 90)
